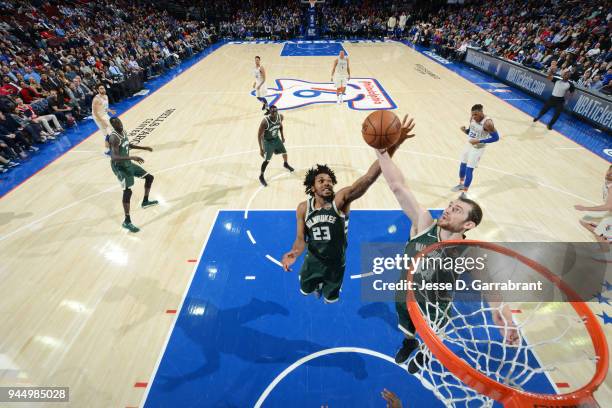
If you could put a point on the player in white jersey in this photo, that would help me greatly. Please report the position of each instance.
(600, 223)
(341, 73)
(481, 132)
(260, 83)
(99, 113)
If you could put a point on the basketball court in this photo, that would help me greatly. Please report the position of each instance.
(195, 309)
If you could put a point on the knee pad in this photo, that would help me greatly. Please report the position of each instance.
(148, 180)
(127, 194)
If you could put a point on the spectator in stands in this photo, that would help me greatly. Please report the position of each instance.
(27, 113)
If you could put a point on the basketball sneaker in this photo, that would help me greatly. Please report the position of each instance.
(262, 180)
(408, 346)
(288, 167)
(458, 187)
(417, 363)
(130, 227)
(151, 203)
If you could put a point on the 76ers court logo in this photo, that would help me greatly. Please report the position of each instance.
(361, 94)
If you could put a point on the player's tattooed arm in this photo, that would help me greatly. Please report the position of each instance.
(300, 242)
(349, 194)
(260, 133)
(281, 128)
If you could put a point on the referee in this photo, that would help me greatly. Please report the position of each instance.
(557, 99)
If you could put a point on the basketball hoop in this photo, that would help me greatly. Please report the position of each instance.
(445, 373)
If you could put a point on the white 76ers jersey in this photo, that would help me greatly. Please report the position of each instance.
(258, 76)
(477, 130)
(342, 67)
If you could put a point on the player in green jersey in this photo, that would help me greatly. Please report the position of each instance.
(125, 170)
(461, 216)
(322, 222)
(271, 140)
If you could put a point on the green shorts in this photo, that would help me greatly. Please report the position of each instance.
(126, 173)
(274, 146)
(315, 272)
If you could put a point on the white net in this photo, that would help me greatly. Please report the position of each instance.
(477, 327)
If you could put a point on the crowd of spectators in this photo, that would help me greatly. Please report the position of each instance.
(575, 34)
(54, 53)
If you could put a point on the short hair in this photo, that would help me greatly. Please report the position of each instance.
(477, 108)
(257, 57)
(312, 174)
(114, 121)
(475, 214)
(100, 84)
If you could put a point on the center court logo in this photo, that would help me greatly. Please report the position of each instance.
(361, 94)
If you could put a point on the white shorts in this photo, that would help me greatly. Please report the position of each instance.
(262, 92)
(340, 81)
(471, 155)
(104, 126)
(604, 228)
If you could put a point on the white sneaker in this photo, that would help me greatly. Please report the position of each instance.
(458, 187)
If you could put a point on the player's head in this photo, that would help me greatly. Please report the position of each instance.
(461, 215)
(609, 173)
(273, 112)
(477, 113)
(341, 54)
(116, 124)
(257, 60)
(101, 89)
(320, 181)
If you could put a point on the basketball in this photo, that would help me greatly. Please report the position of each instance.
(381, 129)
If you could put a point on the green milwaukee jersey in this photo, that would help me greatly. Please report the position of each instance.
(435, 267)
(272, 127)
(326, 230)
(124, 149)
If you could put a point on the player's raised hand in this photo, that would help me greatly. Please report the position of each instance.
(407, 127)
(463, 129)
(393, 400)
(288, 260)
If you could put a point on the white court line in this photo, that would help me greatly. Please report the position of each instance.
(273, 260)
(363, 275)
(163, 349)
(182, 165)
(568, 148)
(312, 356)
(249, 277)
(515, 99)
(251, 237)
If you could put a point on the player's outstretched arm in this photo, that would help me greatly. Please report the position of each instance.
(137, 147)
(347, 195)
(300, 243)
(607, 206)
(419, 217)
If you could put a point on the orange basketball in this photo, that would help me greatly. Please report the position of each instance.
(381, 129)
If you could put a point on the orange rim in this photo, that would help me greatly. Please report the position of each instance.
(511, 397)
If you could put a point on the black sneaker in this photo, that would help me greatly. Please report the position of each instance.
(417, 363)
(549, 126)
(408, 346)
(288, 167)
(535, 119)
(262, 180)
